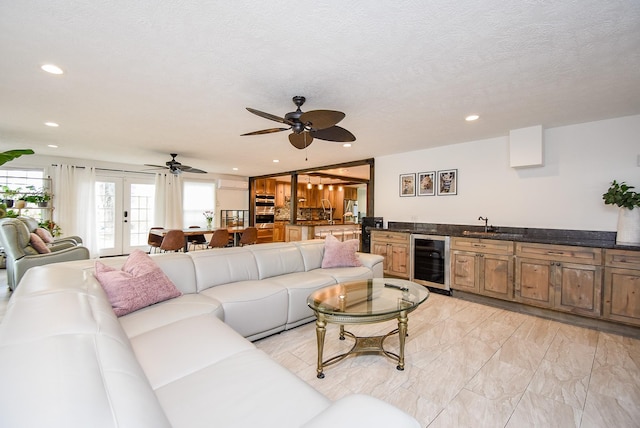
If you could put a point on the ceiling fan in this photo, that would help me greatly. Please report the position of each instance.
(176, 167)
(319, 124)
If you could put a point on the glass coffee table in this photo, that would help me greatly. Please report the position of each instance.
(365, 302)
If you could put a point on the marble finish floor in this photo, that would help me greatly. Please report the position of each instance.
(471, 365)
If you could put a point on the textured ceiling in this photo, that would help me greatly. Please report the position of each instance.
(145, 78)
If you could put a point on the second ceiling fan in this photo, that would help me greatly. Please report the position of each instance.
(306, 126)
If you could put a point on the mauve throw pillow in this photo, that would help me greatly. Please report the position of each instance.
(37, 243)
(340, 254)
(45, 235)
(139, 284)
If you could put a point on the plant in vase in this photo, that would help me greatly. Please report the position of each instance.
(208, 215)
(622, 195)
(9, 195)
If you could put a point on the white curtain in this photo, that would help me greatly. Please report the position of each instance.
(168, 201)
(74, 190)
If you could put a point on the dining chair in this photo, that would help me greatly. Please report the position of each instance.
(249, 236)
(154, 240)
(173, 241)
(219, 239)
(197, 240)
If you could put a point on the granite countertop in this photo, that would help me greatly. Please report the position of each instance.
(583, 238)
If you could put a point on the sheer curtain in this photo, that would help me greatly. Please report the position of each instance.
(168, 201)
(74, 190)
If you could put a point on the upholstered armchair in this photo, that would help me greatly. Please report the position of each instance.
(23, 251)
(33, 226)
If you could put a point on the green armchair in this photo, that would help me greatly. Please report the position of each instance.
(15, 238)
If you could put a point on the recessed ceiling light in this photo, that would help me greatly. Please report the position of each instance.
(53, 146)
(52, 124)
(234, 168)
(346, 145)
(276, 161)
(53, 69)
(472, 117)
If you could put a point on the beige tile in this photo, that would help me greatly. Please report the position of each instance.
(469, 409)
(521, 353)
(564, 383)
(602, 411)
(499, 380)
(535, 410)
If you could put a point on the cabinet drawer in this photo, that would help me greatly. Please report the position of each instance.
(566, 253)
(488, 246)
(622, 258)
(400, 237)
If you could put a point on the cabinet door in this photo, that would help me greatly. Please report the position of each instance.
(464, 275)
(380, 248)
(534, 282)
(622, 295)
(496, 276)
(399, 265)
(578, 288)
(270, 186)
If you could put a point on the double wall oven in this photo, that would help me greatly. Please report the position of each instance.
(265, 215)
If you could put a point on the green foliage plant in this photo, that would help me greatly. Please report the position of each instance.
(621, 195)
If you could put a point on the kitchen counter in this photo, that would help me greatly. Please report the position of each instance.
(320, 229)
(583, 238)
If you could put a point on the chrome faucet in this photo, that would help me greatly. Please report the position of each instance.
(486, 220)
(324, 210)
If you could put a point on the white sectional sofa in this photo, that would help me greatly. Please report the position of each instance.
(66, 360)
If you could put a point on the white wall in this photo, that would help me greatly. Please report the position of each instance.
(580, 161)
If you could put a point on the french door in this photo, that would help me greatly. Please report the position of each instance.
(124, 213)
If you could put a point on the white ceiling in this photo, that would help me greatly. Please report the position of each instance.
(145, 78)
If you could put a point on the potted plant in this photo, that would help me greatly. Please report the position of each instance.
(37, 196)
(9, 195)
(622, 195)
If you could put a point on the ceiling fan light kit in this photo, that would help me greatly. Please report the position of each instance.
(306, 126)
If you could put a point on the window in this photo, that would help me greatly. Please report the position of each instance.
(15, 182)
(197, 197)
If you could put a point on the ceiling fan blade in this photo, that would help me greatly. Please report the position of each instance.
(321, 119)
(301, 140)
(269, 116)
(156, 166)
(185, 168)
(265, 131)
(334, 133)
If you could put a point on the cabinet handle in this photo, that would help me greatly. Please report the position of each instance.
(478, 245)
(557, 253)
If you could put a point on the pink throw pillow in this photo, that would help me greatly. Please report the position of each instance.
(139, 284)
(45, 235)
(340, 254)
(37, 243)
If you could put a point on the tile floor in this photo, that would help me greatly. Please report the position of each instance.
(471, 365)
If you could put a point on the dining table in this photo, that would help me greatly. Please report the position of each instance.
(236, 231)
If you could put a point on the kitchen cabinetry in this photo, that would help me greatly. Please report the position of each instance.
(564, 278)
(278, 231)
(482, 266)
(265, 186)
(394, 247)
(622, 286)
(283, 192)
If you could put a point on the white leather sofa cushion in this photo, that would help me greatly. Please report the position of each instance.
(206, 339)
(222, 266)
(185, 306)
(354, 411)
(250, 385)
(277, 259)
(312, 252)
(300, 285)
(252, 308)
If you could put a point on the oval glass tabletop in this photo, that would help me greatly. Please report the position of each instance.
(369, 297)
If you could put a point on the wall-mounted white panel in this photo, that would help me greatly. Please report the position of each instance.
(526, 147)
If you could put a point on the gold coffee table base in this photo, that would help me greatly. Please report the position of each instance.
(362, 344)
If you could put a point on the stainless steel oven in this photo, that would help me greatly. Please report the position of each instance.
(265, 209)
(430, 261)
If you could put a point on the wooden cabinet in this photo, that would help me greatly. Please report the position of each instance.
(278, 231)
(482, 266)
(283, 192)
(294, 232)
(622, 286)
(265, 186)
(350, 193)
(394, 247)
(564, 278)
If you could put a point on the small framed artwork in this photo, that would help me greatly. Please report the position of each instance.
(448, 182)
(426, 183)
(407, 184)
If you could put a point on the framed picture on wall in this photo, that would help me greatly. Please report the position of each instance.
(426, 183)
(407, 184)
(448, 182)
